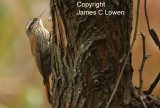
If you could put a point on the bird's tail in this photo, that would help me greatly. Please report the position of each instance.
(47, 87)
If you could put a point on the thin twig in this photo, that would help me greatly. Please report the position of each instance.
(153, 85)
(141, 69)
(152, 32)
(126, 60)
(145, 10)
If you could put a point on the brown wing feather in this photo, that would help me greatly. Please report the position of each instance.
(35, 52)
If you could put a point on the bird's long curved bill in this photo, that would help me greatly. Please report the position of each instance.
(40, 15)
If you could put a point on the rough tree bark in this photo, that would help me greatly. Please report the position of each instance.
(88, 53)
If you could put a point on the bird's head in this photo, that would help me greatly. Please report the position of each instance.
(34, 23)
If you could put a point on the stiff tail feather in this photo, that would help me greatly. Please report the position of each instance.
(47, 87)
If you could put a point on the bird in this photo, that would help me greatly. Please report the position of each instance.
(39, 38)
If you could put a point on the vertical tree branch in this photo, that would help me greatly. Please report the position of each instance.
(86, 75)
(141, 69)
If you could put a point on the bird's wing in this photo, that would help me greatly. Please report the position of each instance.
(36, 52)
(44, 50)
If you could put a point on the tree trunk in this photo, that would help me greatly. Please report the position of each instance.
(88, 52)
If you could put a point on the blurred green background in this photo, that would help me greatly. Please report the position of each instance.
(20, 82)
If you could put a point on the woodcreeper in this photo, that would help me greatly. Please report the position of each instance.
(40, 46)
